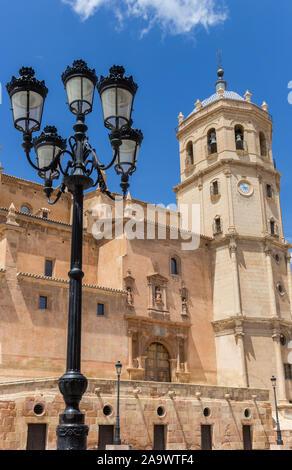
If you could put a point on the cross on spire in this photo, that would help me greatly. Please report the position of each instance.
(220, 72)
(219, 53)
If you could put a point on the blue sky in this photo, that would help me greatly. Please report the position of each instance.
(170, 47)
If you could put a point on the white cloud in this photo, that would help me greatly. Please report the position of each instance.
(174, 16)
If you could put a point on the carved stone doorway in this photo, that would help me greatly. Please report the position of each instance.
(157, 364)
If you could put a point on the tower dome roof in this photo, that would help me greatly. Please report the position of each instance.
(221, 83)
(232, 95)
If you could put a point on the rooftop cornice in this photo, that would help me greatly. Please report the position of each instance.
(220, 105)
(32, 184)
(24, 216)
(65, 282)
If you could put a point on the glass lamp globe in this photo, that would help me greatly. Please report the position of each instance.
(27, 96)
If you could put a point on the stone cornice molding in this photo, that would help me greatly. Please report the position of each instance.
(157, 278)
(217, 107)
(223, 162)
(268, 241)
(148, 321)
(236, 326)
(4, 227)
(58, 282)
(107, 386)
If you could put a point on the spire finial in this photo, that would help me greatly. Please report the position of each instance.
(220, 72)
(219, 53)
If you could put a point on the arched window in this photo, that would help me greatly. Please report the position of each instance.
(239, 136)
(214, 188)
(157, 365)
(173, 266)
(263, 144)
(212, 141)
(217, 225)
(273, 227)
(190, 153)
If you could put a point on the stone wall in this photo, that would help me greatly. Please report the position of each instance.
(182, 405)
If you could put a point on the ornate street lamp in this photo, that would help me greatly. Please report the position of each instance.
(126, 153)
(47, 147)
(79, 82)
(117, 94)
(27, 98)
(279, 436)
(117, 439)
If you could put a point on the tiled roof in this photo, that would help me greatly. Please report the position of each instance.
(232, 95)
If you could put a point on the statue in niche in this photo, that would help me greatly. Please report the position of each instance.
(184, 304)
(130, 300)
(184, 301)
(158, 295)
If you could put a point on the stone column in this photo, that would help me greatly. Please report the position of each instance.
(239, 335)
(235, 275)
(185, 340)
(281, 385)
(263, 206)
(289, 280)
(200, 188)
(150, 295)
(277, 196)
(178, 359)
(273, 305)
(139, 358)
(173, 364)
(130, 349)
(227, 173)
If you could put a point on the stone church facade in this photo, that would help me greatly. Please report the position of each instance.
(199, 332)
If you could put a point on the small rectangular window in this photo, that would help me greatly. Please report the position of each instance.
(100, 310)
(45, 215)
(43, 302)
(217, 225)
(272, 226)
(288, 371)
(48, 268)
(269, 191)
(215, 188)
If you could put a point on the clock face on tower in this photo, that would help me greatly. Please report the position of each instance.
(245, 188)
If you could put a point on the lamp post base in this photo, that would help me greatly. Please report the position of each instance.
(72, 436)
(276, 447)
(71, 431)
(118, 447)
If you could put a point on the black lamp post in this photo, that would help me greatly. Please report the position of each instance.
(117, 440)
(27, 96)
(279, 437)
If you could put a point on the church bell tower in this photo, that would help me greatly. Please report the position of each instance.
(227, 167)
